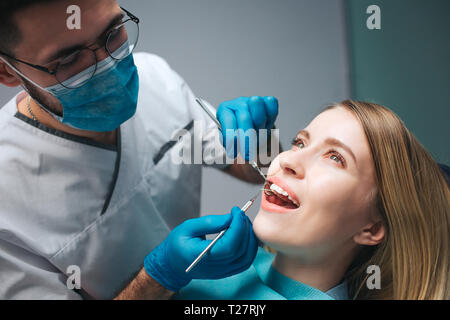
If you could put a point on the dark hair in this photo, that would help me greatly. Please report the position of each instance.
(10, 35)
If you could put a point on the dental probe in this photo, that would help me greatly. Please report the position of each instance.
(213, 117)
(244, 209)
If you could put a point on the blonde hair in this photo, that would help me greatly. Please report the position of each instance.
(413, 200)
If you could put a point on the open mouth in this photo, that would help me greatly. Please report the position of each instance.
(278, 196)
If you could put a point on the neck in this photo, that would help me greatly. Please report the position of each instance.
(46, 119)
(322, 274)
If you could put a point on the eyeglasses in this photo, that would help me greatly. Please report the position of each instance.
(119, 43)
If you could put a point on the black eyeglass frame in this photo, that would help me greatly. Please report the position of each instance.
(131, 17)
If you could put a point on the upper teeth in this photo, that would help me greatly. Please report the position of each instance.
(280, 190)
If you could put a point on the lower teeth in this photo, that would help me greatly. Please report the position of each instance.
(276, 199)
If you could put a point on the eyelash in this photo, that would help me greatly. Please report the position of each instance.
(297, 141)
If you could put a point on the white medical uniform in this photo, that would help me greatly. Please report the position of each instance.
(67, 201)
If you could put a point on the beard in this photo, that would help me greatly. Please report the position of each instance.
(43, 98)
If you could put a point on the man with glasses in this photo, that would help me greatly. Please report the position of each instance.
(87, 188)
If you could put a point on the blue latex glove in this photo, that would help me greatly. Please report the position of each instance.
(231, 254)
(246, 113)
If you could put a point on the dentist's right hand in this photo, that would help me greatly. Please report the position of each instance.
(231, 254)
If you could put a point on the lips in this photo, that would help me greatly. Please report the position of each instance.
(278, 197)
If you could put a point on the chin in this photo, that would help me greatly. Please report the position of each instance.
(275, 232)
(266, 228)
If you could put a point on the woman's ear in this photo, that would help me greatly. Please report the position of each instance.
(7, 76)
(371, 235)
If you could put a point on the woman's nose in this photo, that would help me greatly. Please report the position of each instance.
(291, 164)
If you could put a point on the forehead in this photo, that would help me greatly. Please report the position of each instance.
(341, 124)
(44, 27)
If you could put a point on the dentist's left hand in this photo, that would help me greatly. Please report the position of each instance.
(239, 116)
(233, 253)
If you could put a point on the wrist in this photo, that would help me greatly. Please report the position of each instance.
(156, 266)
(144, 287)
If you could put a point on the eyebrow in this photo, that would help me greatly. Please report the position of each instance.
(304, 133)
(68, 50)
(332, 142)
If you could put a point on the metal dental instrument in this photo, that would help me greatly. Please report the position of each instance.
(204, 252)
(213, 117)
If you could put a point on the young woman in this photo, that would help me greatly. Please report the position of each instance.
(356, 199)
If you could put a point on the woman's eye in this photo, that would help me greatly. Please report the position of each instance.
(335, 156)
(297, 142)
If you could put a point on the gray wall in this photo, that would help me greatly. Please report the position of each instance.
(292, 49)
(406, 65)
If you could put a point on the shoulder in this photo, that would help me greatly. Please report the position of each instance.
(340, 292)
(156, 71)
(7, 112)
(145, 60)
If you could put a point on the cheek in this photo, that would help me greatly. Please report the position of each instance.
(334, 208)
(41, 78)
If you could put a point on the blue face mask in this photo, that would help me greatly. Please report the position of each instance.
(108, 100)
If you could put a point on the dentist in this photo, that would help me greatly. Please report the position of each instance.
(88, 192)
